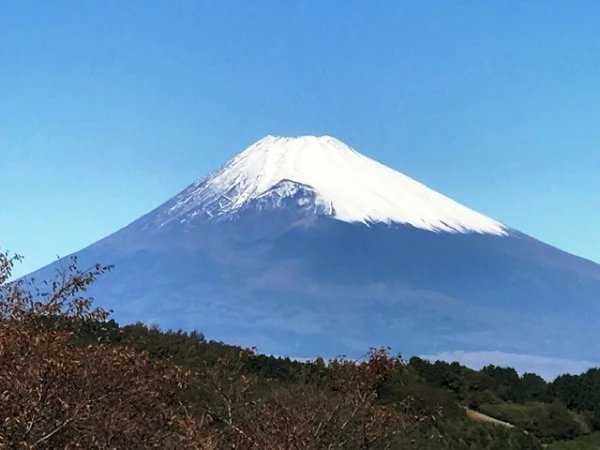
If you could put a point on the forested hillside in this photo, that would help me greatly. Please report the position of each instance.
(72, 377)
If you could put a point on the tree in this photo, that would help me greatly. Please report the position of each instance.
(505, 381)
(55, 394)
(532, 388)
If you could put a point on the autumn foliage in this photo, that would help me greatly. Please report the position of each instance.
(57, 393)
(340, 410)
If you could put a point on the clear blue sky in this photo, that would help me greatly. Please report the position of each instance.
(107, 108)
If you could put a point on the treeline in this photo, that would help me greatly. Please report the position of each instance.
(493, 383)
(563, 409)
(71, 377)
(432, 416)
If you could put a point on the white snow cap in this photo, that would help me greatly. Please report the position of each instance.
(358, 188)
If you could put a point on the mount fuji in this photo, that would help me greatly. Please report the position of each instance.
(305, 247)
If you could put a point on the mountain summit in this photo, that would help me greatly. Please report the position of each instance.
(345, 184)
(303, 247)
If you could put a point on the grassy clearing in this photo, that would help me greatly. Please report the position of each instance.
(480, 417)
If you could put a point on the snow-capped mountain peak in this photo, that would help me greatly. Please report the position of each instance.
(345, 184)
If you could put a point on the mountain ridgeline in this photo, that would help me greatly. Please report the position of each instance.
(304, 247)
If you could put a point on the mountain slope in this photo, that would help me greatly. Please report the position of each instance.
(302, 246)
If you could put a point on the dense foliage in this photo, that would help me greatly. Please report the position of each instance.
(72, 378)
(560, 410)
